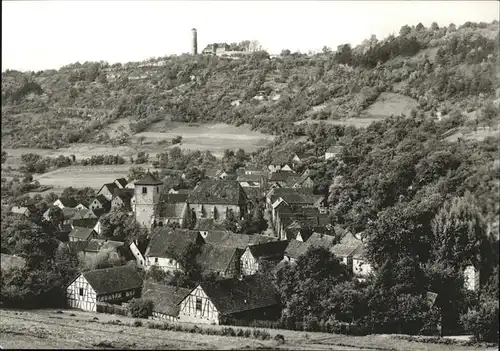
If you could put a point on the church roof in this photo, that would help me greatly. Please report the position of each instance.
(148, 179)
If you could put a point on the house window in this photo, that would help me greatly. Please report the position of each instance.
(124, 294)
(144, 190)
(156, 259)
(81, 291)
(198, 304)
(157, 189)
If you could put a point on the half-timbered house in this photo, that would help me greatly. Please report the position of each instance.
(249, 298)
(110, 285)
(222, 261)
(82, 234)
(166, 300)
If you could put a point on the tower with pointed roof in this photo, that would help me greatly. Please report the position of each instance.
(147, 197)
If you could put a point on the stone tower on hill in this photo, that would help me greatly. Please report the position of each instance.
(194, 48)
(147, 196)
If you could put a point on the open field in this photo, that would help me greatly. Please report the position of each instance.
(49, 329)
(388, 104)
(356, 122)
(478, 135)
(83, 176)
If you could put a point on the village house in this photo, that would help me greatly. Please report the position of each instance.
(294, 250)
(82, 233)
(64, 202)
(250, 180)
(282, 179)
(361, 267)
(230, 239)
(121, 183)
(272, 253)
(217, 174)
(275, 193)
(280, 163)
(122, 198)
(110, 285)
(222, 261)
(285, 216)
(166, 300)
(84, 222)
(299, 157)
(107, 190)
(167, 245)
(81, 206)
(333, 152)
(100, 202)
(95, 246)
(218, 199)
(138, 250)
(205, 225)
(249, 298)
(21, 210)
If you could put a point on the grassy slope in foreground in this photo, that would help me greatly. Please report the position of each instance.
(49, 329)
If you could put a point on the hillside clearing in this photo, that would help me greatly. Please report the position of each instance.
(388, 104)
(49, 329)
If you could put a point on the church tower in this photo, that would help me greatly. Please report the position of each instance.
(147, 197)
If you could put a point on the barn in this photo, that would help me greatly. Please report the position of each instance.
(111, 285)
(214, 302)
(165, 298)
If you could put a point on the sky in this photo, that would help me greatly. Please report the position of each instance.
(39, 35)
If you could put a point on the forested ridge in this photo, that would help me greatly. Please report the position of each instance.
(444, 68)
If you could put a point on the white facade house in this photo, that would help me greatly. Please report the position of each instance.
(112, 285)
(471, 278)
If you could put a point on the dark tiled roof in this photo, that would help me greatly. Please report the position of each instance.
(111, 188)
(253, 192)
(85, 222)
(272, 251)
(68, 202)
(124, 194)
(148, 179)
(111, 280)
(174, 198)
(230, 239)
(166, 240)
(301, 199)
(96, 245)
(122, 181)
(249, 178)
(282, 176)
(205, 224)
(69, 212)
(166, 298)
(233, 295)
(321, 240)
(281, 159)
(296, 248)
(225, 192)
(78, 246)
(283, 191)
(214, 258)
(347, 245)
(81, 233)
(11, 261)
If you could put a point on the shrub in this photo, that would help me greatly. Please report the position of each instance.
(280, 339)
(483, 323)
(228, 332)
(140, 308)
(264, 335)
(256, 333)
(247, 333)
(240, 332)
(137, 323)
